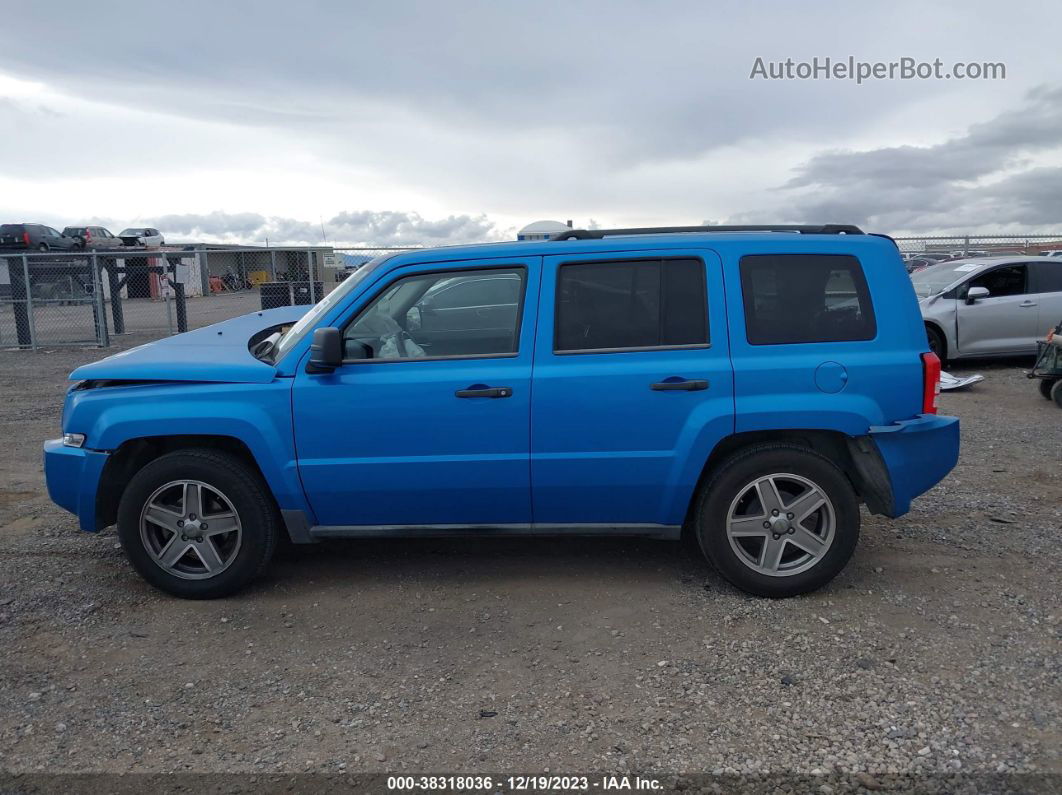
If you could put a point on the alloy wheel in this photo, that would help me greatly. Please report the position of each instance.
(781, 524)
(190, 529)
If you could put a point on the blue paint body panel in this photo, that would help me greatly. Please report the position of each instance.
(581, 440)
(918, 454)
(214, 353)
(72, 476)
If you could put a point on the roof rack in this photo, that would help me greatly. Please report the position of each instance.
(802, 229)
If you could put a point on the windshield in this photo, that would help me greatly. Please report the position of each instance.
(306, 322)
(132, 231)
(937, 278)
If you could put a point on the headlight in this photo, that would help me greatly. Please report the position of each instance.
(73, 439)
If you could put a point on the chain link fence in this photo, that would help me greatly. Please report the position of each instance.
(981, 245)
(92, 297)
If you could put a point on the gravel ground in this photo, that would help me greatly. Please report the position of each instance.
(937, 650)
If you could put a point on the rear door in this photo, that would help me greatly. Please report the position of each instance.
(632, 387)
(1046, 281)
(1005, 321)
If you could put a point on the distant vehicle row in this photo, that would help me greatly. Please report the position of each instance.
(39, 237)
(917, 260)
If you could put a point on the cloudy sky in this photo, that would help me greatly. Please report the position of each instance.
(430, 122)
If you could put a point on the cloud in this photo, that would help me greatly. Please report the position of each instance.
(361, 227)
(612, 110)
(986, 178)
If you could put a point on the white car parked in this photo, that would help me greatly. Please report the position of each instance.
(995, 306)
(141, 236)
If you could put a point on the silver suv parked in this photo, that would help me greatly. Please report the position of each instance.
(995, 306)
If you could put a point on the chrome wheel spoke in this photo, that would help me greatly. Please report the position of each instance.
(221, 523)
(772, 554)
(770, 499)
(807, 541)
(174, 550)
(208, 553)
(806, 504)
(748, 527)
(193, 500)
(163, 517)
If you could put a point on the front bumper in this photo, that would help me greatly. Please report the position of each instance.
(918, 454)
(73, 477)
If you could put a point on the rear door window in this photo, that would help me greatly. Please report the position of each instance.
(630, 304)
(1047, 277)
(802, 298)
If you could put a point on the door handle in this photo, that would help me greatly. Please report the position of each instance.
(676, 384)
(1025, 304)
(481, 391)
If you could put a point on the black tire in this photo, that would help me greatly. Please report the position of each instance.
(1056, 393)
(42, 247)
(937, 343)
(241, 485)
(1045, 386)
(732, 479)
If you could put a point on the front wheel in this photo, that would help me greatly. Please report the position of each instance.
(937, 343)
(1045, 386)
(198, 524)
(778, 520)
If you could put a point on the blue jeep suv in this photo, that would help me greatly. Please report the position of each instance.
(746, 386)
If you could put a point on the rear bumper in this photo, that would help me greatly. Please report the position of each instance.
(73, 476)
(917, 454)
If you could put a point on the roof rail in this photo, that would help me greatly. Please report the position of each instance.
(802, 229)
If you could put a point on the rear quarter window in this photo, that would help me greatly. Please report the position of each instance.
(803, 298)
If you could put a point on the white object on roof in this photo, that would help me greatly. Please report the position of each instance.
(541, 230)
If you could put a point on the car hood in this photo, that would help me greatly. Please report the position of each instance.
(215, 353)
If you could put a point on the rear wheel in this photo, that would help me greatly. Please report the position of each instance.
(778, 520)
(1045, 387)
(1056, 393)
(937, 343)
(198, 524)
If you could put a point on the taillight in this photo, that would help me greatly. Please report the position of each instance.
(88, 234)
(930, 382)
(25, 238)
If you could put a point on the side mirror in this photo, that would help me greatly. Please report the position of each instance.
(976, 293)
(326, 351)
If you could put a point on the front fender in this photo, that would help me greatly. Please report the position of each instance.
(258, 415)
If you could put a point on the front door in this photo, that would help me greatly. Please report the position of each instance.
(432, 429)
(1004, 322)
(633, 388)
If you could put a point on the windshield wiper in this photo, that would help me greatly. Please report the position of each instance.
(263, 350)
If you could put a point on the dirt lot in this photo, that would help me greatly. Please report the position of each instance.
(937, 650)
